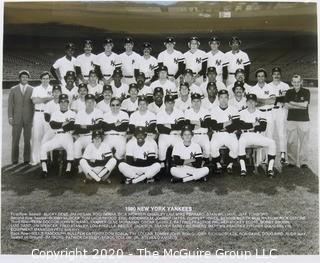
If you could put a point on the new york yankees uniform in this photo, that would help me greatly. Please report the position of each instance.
(183, 105)
(194, 62)
(62, 138)
(238, 104)
(104, 106)
(169, 126)
(107, 63)
(234, 61)
(40, 126)
(145, 91)
(147, 66)
(203, 87)
(119, 92)
(279, 114)
(129, 106)
(49, 108)
(168, 87)
(91, 120)
(78, 105)
(103, 163)
(85, 63)
(72, 93)
(141, 167)
(147, 120)
(200, 131)
(208, 105)
(115, 126)
(154, 108)
(171, 61)
(190, 172)
(221, 136)
(247, 89)
(128, 64)
(216, 60)
(95, 90)
(64, 65)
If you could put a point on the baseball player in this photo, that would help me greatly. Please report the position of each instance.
(168, 86)
(85, 62)
(115, 125)
(223, 121)
(234, 59)
(169, 124)
(172, 59)
(239, 100)
(211, 101)
(157, 103)
(188, 77)
(97, 161)
(147, 63)
(130, 104)
(62, 122)
(143, 90)
(266, 97)
(183, 102)
(143, 117)
(215, 57)
(60, 68)
(40, 96)
(211, 77)
(86, 121)
(252, 124)
(49, 108)
(129, 61)
(196, 60)
(70, 88)
(239, 75)
(104, 105)
(106, 62)
(279, 113)
(79, 104)
(187, 158)
(119, 88)
(94, 87)
(199, 119)
(141, 159)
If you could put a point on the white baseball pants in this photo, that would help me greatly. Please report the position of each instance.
(257, 139)
(189, 173)
(164, 142)
(203, 141)
(97, 172)
(39, 127)
(80, 144)
(118, 142)
(279, 117)
(220, 139)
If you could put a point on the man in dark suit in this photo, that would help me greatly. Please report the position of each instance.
(20, 115)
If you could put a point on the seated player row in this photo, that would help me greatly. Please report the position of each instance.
(211, 130)
(131, 63)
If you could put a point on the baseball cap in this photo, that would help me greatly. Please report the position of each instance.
(117, 71)
(107, 87)
(169, 40)
(128, 40)
(146, 45)
(276, 69)
(89, 97)
(214, 39)
(44, 73)
(157, 89)
(92, 71)
(186, 127)
(83, 86)
(70, 45)
(24, 72)
(184, 84)
(188, 71)
(235, 39)
(211, 84)
(162, 68)
(212, 70)
(223, 91)
(193, 38)
(140, 130)
(133, 86)
(56, 87)
(238, 84)
(88, 42)
(239, 70)
(97, 133)
(70, 73)
(252, 97)
(63, 97)
(195, 96)
(108, 41)
(141, 74)
(142, 98)
(169, 98)
(261, 70)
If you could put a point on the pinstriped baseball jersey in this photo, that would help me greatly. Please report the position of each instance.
(121, 91)
(194, 60)
(78, 105)
(187, 152)
(147, 66)
(148, 149)
(59, 116)
(51, 107)
(129, 105)
(72, 94)
(171, 61)
(120, 117)
(182, 105)
(95, 90)
(216, 60)
(224, 115)
(93, 153)
(249, 117)
(129, 63)
(107, 63)
(138, 119)
(239, 105)
(41, 92)
(164, 118)
(167, 86)
(201, 115)
(103, 106)
(85, 62)
(83, 118)
(235, 61)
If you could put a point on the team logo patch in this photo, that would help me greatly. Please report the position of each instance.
(198, 60)
(145, 155)
(239, 61)
(175, 60)
(133, 61)
(218, 62)
(113, 63)
(192, 155)
(266, 92)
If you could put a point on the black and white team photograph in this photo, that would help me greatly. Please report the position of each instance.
(208, 105)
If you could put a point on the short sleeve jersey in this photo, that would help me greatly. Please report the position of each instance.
(216, 60)
(107, 63)
(85, 62)
(171, 61)
(129, 63)
(201, 115)
(194, 60)
(83, 118)
(187, 152)
(236, 61)
(144, 120)
(148, 149)
(59, 116)
(93, 153)
(64, 65)
(41, 92)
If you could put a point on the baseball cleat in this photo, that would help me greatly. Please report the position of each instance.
(67, 173)
(283, 161)
(44, 174)
(270, 173)
(243, 173)
(204, 179)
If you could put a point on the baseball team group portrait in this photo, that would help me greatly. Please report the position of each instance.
(209, 105)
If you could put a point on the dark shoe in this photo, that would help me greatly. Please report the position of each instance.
(26, 162)
(68, 173)
(175, 180)
(290, 165)
(204, 179)
(283, 161)
(150, 180)
(304, 166)
(270, 173)
(14, 163)
(229, 170)
(243, 173)
(218, 170)
(44, 174)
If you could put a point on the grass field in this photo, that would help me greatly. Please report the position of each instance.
(293, 192)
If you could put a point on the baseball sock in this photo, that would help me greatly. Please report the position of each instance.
(216, 161)
(271, 161)
(44, 165)
(242, 162)
(231, 161)
(68, 169)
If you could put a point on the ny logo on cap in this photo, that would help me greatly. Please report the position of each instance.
(239, 61)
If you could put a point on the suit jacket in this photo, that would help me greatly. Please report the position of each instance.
(20, 106)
